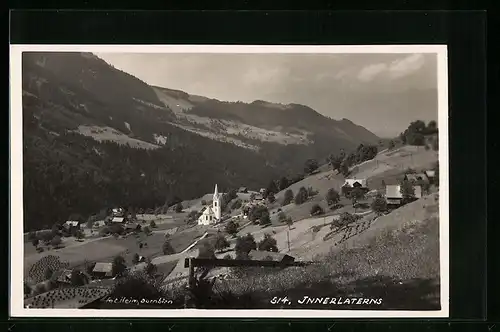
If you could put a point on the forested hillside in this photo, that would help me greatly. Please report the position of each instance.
(96, 137)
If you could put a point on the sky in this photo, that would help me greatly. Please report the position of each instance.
(382, 92)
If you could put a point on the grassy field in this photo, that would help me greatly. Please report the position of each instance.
(399, 264)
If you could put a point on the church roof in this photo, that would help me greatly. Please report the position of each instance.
(208, 210)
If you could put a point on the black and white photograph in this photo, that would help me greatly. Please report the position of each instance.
(229, 181)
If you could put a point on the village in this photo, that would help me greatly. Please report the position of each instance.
(78, 263)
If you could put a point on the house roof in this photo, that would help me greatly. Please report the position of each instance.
(259, 255)
(351, 182)
(417, 177)
(117, 219)
(103, 267)
(72, 223)
(430, 173)
(393, 191)
(99, 223)
(208, 211)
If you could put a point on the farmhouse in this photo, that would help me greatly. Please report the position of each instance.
(99, 223)
(350, 184)
(103, 270)
(394, 197)
(62, 276)
(243, 190)
(118, 212)
(118, 220)
(417, 178)
(431, 174)
(258, 255)
(70, 223)
(212, 214)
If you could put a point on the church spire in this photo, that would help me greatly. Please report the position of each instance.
(216, 192)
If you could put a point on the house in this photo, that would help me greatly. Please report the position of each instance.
(258, 197)
(103, 270)
(350, 184)
(70, 223)
(99, 223)
(117, 220)
(431, 175)
(62, 276)
(117, 212)
(243, 190)
(212, 214)
(262, 191)
(394, 197)
(417, 178)
(258, 255)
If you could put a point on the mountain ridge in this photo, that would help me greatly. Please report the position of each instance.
(95, 137)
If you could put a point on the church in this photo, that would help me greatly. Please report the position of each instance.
(212, 214)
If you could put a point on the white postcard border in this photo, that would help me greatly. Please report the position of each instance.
(16, 182)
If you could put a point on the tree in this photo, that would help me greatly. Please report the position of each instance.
(151, 269)
(435, 144)
(391, 145)
(432, 127)
(56, 241)
(77, 278)
(56, 229)
(178, 208)
(89, 266)
(79, 234)
(289, 222)
(135, 258)
(356, 195)
(407, 191)
(265, 219)
(167, 248)
(288, 197)
(282, 216)
(301, 196)
(118, 266)
(152, 224)
(311, 192)
(207, 250)
(310, 166)
(344, 168)
(244, 245)
(270, 198)
(272, 188)
(35, 242)
(268, 243)
(284, 183)
(147, 230)
(231, 228)
(236, 204)
(316, 210)
(221, 242)
(257, 212)
(379, 205)
(332, 197)
(436, 174)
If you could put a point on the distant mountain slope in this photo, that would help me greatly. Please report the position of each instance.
(96, 137)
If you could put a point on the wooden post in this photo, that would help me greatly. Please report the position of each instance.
(288, 238)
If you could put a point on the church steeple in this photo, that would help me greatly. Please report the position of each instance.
(216, 203)
(216, 192)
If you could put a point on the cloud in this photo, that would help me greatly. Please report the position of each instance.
(406, 66)
(368, 73)
(394, 70)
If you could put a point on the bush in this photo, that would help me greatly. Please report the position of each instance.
(231, 228)
(332, 197)
(316, 210)
(56, 241)
(244, 244)
(221, 243)
(271, 198)
(379, 205)
(301, 196)
(288, 197)
(268, 243)
(310, 166)
(207, 250)
(167, 248)
(178, 208)
(151, 269)
(118, 266)
(135, 258)
(146, 230)
(282, 216)
(152, 224)
(257, 212)
(265, 219)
